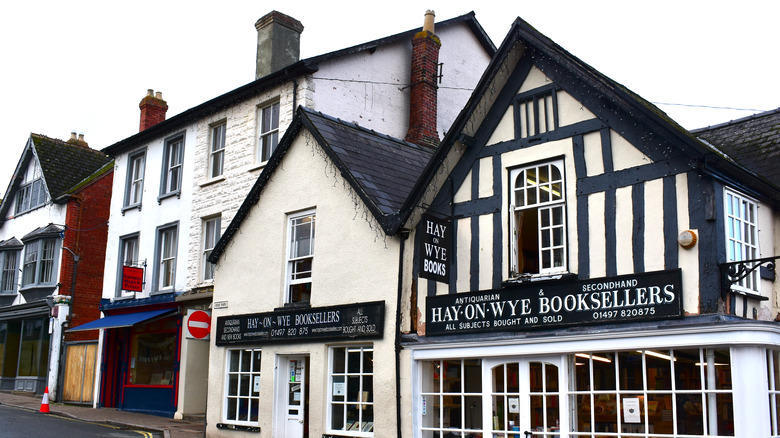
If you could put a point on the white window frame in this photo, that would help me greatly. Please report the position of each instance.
(252, 374)
(211, 235)
(217, 150)
(366, 429)
(30, 196)
(124, 244)
(9, 268)
(554, 205)
(165, 256)
(173, 161)
(267, 131)
(773, 379)
(136, 165)
(295, 258)
(40, 262)
(741, 229)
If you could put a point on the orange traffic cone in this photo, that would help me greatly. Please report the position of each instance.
(45, 402)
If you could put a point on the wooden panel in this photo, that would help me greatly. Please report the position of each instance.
(79, 373)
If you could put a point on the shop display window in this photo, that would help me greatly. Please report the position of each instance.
(452, 398)
(352, 390)
(33, 349)
(652, 393)
(242, 403)
(153, 353)
(773, 378)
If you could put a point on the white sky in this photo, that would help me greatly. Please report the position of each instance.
(85, 65)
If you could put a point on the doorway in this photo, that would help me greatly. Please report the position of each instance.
(526, 397)
(292, 397)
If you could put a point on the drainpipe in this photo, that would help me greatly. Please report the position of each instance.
(404, 236)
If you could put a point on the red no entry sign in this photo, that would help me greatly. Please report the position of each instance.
(199, 324)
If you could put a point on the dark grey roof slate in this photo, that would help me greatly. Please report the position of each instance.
(753, 142)
(50, 230)
(64, 165)
(384, 168)
(11, 243)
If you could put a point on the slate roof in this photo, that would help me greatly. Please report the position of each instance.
(64, 168)
(302, 67)
(64, 165)
(753, 142)
(382, 170)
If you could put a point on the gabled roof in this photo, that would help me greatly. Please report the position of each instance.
(64, 167)
(609, 100)
(302, 67)
(753, 142)
(380, 169)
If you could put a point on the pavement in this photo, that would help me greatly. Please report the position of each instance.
(170, 428)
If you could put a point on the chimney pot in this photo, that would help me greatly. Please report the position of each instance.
(428, 24)
(72, 135)
(158, 95)
(150, 92)
(81, 137)
(278, 42)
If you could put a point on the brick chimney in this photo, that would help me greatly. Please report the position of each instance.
(278, 42)
(153, 109)
(423, 105)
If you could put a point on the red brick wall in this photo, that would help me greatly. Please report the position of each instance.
(152, 111)
(86, 235)
(423, 98)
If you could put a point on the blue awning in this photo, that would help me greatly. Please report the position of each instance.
(123, 320)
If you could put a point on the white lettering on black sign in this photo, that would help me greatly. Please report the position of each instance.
(435, 240)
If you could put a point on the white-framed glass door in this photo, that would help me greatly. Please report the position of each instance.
(525, 397)
(292, 397)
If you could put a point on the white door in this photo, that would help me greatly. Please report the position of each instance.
(526, 397)
(292, 417)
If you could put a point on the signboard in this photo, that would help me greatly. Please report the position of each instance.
(350, 321)
(635, 297)
(435, 244)
(132, 278)
(198, 324)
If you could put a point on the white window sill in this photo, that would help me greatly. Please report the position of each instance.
(213, 181)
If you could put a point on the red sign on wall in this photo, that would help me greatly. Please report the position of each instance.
(198, 324)
(132, 278)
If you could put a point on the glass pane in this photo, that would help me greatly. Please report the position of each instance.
(581, 372)
(231, 409)
(537, 413)
(368, 361)
(630, 366)
(725, 414)
(233, 384)
(551, 377)
(659, 370)
(603, 371)
(244, 385)
(353, 361)
(473, 412)
(337, 417)
(452, 376)
(353, 388)
(535, 377)
(659, 413)
(581, 411)
(338, 360)
(687, 373)
(553, 413)
(473, 375)
(452, 411)
(605, 413)
(689, 414)
(498, 379)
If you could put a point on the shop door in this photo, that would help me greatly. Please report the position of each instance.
(79, 373)
(526, 400)
(292, 418)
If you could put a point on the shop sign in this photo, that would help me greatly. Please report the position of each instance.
(132, 278)
(435, 239)
(350, 321)
(635, 297)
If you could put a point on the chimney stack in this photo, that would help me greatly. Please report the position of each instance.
(278, 42)
(153, 109)
(77, 141)
(423, 98)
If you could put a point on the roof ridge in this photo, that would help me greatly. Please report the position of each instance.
(736, 121)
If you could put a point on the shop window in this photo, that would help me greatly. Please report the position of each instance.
(242, 402)
(773, 377)
(39, 266)
(538, 220)
(173, 155)
(268, 131)
(167, 244)
(660, 392)
(535, 113)
(134, 186)
(33, 349)
(211, 231)
(9, 261)
(300, 257)
(452, 398)
(153, 349)
(217, 151)
(742, 235)
(351, 406)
